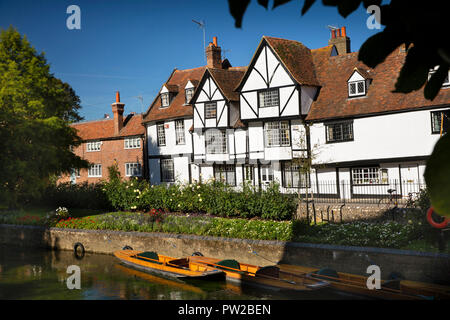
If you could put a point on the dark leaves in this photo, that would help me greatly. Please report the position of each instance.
(237, 10)
(378, 47)
(307, 5)
(414, 72)
(277, 3)
(434, 84)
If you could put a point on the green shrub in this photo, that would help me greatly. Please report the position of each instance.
(212, 197)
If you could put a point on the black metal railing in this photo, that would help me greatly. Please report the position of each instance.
(345, 191)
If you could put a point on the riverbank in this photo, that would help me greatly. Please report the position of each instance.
(410, 233)
(413, 265)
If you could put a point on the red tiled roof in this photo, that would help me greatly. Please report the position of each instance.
(177, 107)
(103, 129)
(333, 73)
(227, 80)
(297, 59)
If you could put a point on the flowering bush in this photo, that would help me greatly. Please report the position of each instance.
(211, 197)
(62, 212)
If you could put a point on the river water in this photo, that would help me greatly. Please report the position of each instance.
(41, 274)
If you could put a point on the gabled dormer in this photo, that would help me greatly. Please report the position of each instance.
(189, 90)
(167, 93)
(280, 81)
(358, 83)
(214, 101)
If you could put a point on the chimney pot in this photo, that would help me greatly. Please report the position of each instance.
(117, 109)
(333, 33)
(341, 41)
(214, 55)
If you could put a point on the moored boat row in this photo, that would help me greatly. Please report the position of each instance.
(279, 277)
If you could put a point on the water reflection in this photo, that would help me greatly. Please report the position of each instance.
(40, 274)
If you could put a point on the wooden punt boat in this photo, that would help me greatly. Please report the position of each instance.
(390, 289)
(150, 261)
(175, 283)
(270, 277)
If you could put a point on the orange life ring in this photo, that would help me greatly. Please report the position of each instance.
(430, 220)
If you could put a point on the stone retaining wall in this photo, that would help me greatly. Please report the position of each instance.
(417, 266)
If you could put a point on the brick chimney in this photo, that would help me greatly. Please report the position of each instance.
(340, 40)
(214, 55)
(117, 109)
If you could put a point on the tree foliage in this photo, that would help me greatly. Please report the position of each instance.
(35, 112)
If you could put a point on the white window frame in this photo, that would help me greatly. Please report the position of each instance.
(93, 146)
(216, 141)
(369, 175)
(133, 169)
(132, 143)
(210, 110)
(293, 177)
(167, 170)
(358, 92)
(269, 98)
(277, 134)
(225, 173)
(189, 92)
(180, 137)
(165, 99)
(161, 134)
(95, 171)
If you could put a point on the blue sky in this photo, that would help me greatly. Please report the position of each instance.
(133, 45)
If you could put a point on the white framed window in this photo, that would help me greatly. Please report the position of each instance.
(293, 177)
(133, 169)
(210, 110)
(161, 134)
(179, 132)
(266, 174)
(339, 131)
(95, 170)
(93, 146)
(189, 92)
(370, 175)
(165, 99)
(269, 98)
(357, 88)
(225, 173)
(132, 143)
(216, 141)
(248, 172)
(167, 170)
(277, 134)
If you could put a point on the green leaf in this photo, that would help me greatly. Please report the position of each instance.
(237, 10)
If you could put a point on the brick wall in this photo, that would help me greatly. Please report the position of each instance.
(110, 151)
